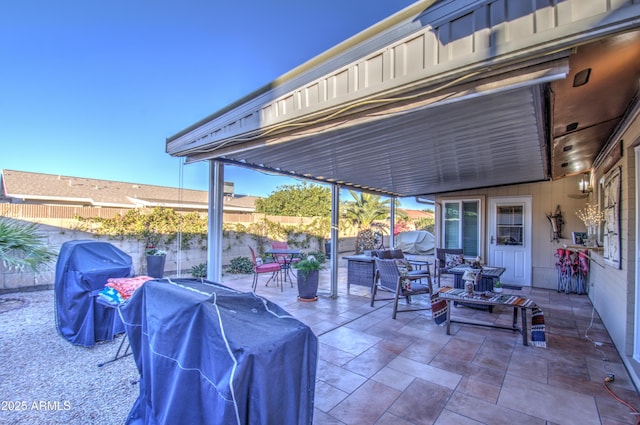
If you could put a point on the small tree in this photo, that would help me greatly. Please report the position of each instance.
(366, 209)
(426, 223)
(401, 226)
(301, 200)
(364, 212)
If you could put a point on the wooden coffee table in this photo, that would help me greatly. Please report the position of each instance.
(488, 299)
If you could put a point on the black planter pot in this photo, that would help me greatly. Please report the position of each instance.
(308, 286)
(155, 265)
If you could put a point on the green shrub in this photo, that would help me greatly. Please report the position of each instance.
(240, 265)
(200, 270)
(320, 256)
(22, 246)
(306, 266)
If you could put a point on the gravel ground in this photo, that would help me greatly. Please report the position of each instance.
(44, 379)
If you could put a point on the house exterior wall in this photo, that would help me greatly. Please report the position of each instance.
(613, 289)
(546, 196)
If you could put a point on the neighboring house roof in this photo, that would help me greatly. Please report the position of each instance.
(418, 214)
(28, 187)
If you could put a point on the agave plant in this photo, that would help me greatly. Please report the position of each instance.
(21, 246)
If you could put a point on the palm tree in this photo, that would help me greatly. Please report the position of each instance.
(21, 246)
(364, 212)
(366, 209)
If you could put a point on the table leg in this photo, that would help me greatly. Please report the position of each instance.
(448, 317)
(127, 351)
(524, 326)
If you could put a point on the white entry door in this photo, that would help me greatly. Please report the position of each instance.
(510, 238)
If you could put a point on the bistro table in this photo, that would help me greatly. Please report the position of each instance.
(285, 257)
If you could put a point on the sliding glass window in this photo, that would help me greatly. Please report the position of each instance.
(461, 225)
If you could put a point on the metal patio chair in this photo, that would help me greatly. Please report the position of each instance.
(273, 268)
(390, 279)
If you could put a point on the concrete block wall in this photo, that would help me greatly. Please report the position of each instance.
(56, 236)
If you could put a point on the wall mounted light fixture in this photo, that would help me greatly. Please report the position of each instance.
(584, 185)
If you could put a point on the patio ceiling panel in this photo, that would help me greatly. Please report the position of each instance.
(488, 140)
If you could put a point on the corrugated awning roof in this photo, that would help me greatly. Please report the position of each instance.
(422, 148)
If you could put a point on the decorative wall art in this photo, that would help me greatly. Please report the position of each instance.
(579, 238)
(612, 218)
(557, 221)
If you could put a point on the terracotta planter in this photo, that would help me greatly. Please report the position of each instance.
(308, 286)
(155, 265)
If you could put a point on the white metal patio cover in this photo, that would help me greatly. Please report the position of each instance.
(442, 96)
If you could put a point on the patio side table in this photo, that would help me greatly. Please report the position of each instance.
(361, 271)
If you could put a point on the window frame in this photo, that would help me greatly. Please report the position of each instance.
(480, 225)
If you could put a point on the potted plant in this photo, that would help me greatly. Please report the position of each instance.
(308, 278)
(497, 287)
(155, 261)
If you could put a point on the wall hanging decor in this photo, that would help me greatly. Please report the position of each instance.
(612, 218)
(557, 222)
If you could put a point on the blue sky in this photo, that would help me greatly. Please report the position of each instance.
(93, 88)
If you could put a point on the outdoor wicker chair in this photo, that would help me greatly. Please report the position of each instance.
(421, 267)
(390, 279)
(441, 267)
(389, 254)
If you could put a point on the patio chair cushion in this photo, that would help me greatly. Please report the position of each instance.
(267, 267)
(404, 268)
(453, 260)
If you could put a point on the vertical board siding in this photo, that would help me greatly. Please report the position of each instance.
(447, 39)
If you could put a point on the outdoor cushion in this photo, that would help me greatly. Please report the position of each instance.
(403, 266)
(268, 267)
(453, 260)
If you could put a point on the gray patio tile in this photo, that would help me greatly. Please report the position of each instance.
(548, 402)
(489, 413)
(421, 402)
(349, 340)
(479, 389)
(327, 396)
(339, 377)
(426, 372)
(359, 409)
(393, 378)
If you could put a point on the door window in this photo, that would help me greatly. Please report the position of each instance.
(510, 225)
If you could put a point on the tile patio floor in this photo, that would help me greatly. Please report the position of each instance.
(376, 370)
